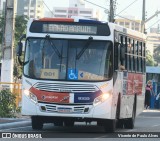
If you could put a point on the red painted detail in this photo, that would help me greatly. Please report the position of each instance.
(134, 84)
(57, 19)
(53, 97)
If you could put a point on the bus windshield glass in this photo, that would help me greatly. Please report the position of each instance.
(59, 59)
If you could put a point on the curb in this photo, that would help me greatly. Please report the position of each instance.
(151, 110)
(15, 124)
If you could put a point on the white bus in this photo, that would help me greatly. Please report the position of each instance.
(71, 73)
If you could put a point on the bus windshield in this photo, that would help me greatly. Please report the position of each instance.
(59, 59)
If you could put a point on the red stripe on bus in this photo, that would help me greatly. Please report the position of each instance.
(57, 19)
(46, 96)
(134, 84)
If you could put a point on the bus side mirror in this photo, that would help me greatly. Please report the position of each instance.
(19, 48)
(122, 52)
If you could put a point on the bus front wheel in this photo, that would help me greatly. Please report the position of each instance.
(109, 126)
(68, 123)
(37, 123)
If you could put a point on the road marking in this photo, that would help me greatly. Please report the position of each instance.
(14, 128)
(131, 130)
(100, 137)
(156, 125)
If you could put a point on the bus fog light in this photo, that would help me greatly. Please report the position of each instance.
(43, 108)
(101, 98)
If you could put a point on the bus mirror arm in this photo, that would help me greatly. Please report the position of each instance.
(20, 48)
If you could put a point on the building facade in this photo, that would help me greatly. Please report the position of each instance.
(30, 8)
(75, 8)
(129, 22)
(153, 41)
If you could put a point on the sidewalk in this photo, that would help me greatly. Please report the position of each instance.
(151, 110)
(14, 122)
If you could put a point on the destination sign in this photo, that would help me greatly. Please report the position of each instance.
(60, 28)
(75, 28)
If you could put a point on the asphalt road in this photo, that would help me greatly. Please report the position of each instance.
(148, 121)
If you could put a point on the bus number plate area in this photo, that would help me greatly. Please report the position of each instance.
(64, 110)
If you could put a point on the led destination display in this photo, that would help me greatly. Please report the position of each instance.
(60, 28)
(75, 28)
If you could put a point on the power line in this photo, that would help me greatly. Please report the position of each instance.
(107, 9)
(127, 6)
(48, 7)
(126, 18)
(153, 24)
(96, 4)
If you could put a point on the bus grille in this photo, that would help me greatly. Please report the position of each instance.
(61, 87)
(75, 109)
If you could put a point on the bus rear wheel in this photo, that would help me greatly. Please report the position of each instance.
(37, 123)
(109, 126)
(129, 122)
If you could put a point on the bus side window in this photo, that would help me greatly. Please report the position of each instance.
(133, 52)
(144, 59)
(129, 47)
(138, 56)
(123, 45)
(126, 56)
(141, 57)
(116, 56)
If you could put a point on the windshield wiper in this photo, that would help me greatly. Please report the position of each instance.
(84, 48)
(53, 46)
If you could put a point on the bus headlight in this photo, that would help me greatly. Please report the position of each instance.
(101, 98)
(33, 98)
(30, 95)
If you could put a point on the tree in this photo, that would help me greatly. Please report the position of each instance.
(157, 54)
(20, 26)
(20, 29)
(1, 27)
(149, 59)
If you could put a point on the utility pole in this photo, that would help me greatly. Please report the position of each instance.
(143, 16)
(8, 43)
(111, 14)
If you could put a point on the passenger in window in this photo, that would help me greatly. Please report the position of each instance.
(121, 67)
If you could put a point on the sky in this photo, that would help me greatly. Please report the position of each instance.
(134, 10)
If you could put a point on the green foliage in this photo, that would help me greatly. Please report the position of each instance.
(7, 104)
(1, 28)
(20, 26)
(157, 54)
(149, 59)
(20, 29)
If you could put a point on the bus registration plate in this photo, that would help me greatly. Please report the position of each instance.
(64, 110)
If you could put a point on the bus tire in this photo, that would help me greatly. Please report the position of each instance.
(68, 123)
(37, 123)
(58, 123)
(120, 123)
(129, 122)
(109, 126)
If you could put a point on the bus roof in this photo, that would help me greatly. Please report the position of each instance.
(112, 26)
(127, 31)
